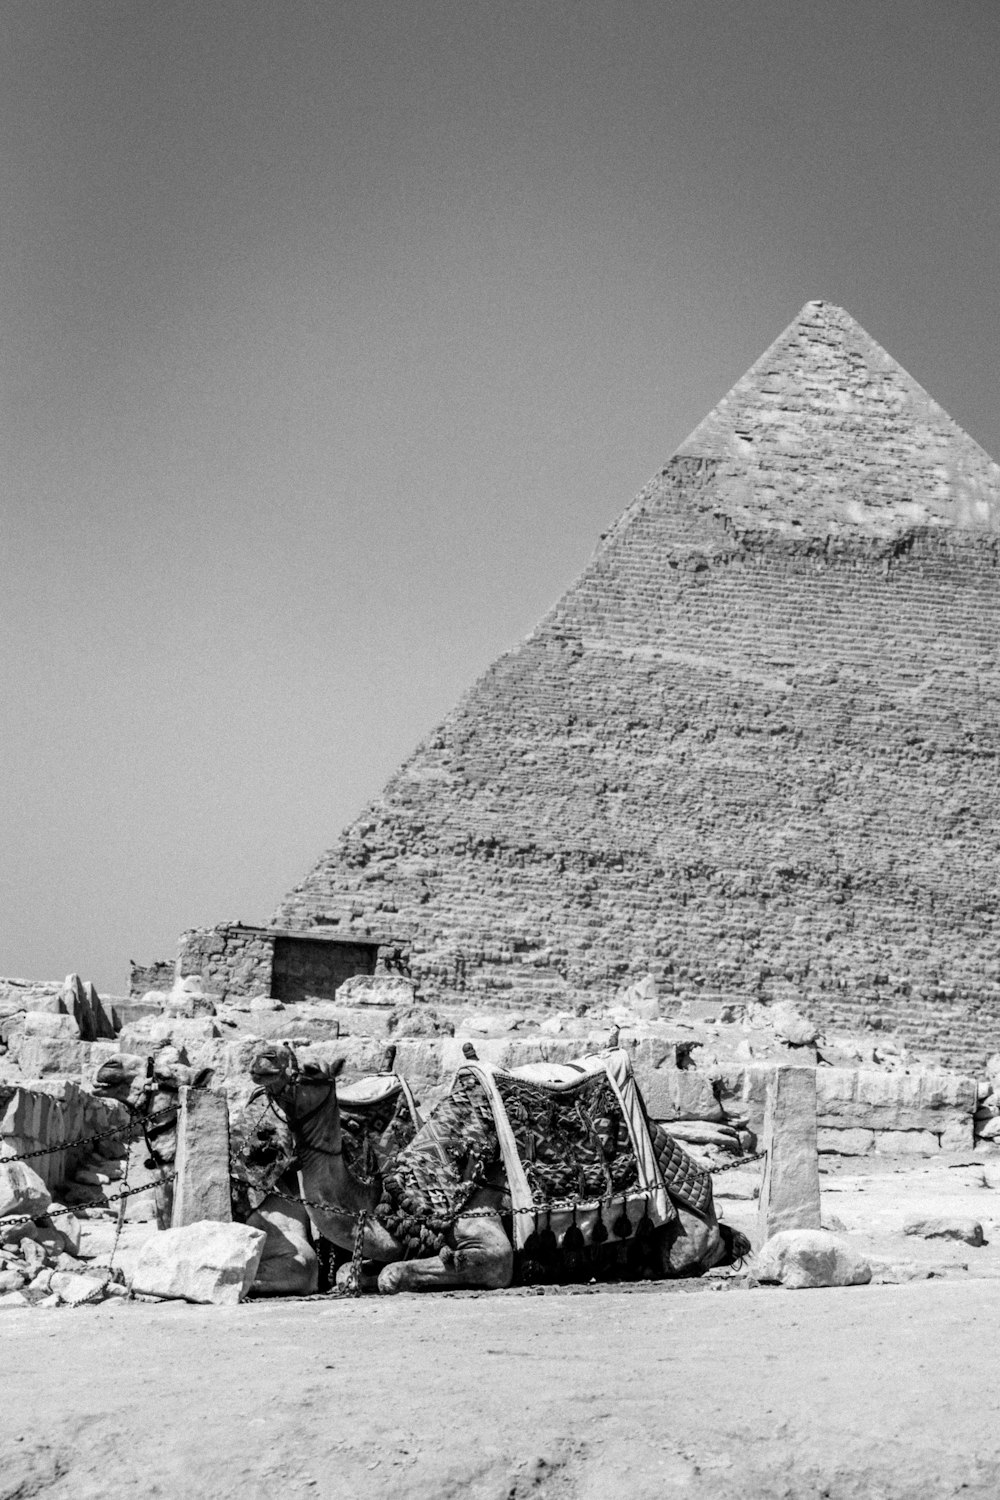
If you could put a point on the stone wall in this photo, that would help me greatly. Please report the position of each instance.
(235, 960)
(230, 960)
(753, 750)
(146, 977)
(46, 1114)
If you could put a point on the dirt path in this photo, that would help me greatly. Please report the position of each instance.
(881, 1391)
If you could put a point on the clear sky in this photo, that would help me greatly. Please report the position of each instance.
(336, 333)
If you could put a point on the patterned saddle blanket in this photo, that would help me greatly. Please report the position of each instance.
(569, 1144)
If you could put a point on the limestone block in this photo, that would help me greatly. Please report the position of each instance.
(40, 1056)
(968, 1230)
(215, 1263)
(22, 1191)
(906, 1143)
(790, 1193)
(10, 1300)
(802, 1258)
(790, 1026)
(201, 1190)
(50, 1023)
(389, 990)
(102, 1021)
(957, 1135)
(844, 1142)
(875, 1100)
(678, 1094)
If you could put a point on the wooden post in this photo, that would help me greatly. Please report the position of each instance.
(789, 1198)
(201, 1190)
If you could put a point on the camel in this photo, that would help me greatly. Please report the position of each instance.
(470, 1246)
(380, 1115)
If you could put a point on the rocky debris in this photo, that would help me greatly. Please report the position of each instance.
(639, 999)
(22, 1191)
(393, 991)
(419, 1020)
(792, 1027)
(206, 1262)
(801, 1258)
(967, 1230)
(895, 1272)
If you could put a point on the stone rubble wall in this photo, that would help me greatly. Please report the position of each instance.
(146, 977)
(229, 960)
(45, 1114)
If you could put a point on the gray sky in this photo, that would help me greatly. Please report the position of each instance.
(335, 335)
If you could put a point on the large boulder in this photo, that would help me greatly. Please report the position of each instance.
(203, 1262)
(800, 1258)
(22, 1191)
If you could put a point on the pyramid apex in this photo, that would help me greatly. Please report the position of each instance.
(827, 431)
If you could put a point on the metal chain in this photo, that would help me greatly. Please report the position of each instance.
(13, 1220)
(90, 1140)
(740, 1161)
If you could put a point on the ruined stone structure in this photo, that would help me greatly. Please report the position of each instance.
(752, 750)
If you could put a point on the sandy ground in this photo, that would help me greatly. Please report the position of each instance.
(691, 1389)
(881, 1391)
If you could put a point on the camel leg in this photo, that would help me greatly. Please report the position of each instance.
(482, 1257)
(691, 1244)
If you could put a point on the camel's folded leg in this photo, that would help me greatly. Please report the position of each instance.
(369, 1275)
(691, 1244)
(482, 1257)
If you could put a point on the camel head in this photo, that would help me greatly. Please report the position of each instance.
(136, 1080)
(303, 1092)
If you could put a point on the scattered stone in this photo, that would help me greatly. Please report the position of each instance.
(22, 1191)
(391, 990)
(792, 1027)
(833, 1225)
(69, 1227)
(12, 1281)
(738, 1185)
(968, 1231)
(34, 1255)
(14, 1299)
(206, 1262)
(74, 1288)
(265, 1002)
(420, 1020)
(801, 1258)
(895, 1272)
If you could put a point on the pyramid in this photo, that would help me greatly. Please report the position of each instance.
(753, 750)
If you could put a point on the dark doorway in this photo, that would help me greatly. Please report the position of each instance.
(312, 968)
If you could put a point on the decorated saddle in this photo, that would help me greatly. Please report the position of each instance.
(571, 1146)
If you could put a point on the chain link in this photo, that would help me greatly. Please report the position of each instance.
(14, 1220)
(90, 1140)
